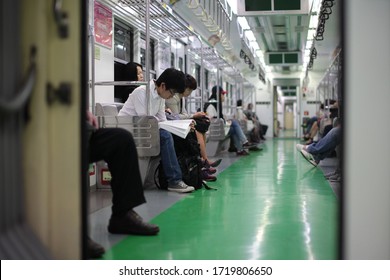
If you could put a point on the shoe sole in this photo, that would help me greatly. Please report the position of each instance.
(187, 190)
(216, 163)
(133, 232)
(311, 161)
(210, 180)
(299, 147)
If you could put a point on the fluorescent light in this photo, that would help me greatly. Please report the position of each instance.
(249, 34)
(254, 45)
(233, 5)
(243, 23)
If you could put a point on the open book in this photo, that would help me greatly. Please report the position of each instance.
(177, 127)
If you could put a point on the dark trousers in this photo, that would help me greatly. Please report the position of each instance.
(116, 147)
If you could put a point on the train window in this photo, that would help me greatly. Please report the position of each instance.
(185, 63)
(181, 62)
(207, 78)
(197, 73)
(123, 41)
(143, 52)
(172, 60)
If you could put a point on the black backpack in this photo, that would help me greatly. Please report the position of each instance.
(188, 156)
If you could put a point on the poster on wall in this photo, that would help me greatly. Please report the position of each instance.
(103, 25)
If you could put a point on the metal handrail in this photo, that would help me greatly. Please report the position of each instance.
(20, 98)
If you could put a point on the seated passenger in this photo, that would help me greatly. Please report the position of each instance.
(132, 72)
(235, 131)
(259, 129)
(317, 151)
(170, 82)
(251, 126)
(175, 107)
(116, 147)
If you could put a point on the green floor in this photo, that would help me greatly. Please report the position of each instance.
(270, 205)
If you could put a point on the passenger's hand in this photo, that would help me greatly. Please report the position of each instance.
(192, 125)
(92, 119)
(167, 110)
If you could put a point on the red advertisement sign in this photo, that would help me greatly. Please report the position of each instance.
(103, 25)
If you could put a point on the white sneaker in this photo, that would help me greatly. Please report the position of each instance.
(299, 147)
(309, 157)
(330, 174)
(335, 178)
(181, 187)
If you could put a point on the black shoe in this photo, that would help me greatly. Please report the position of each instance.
(232, 150)
(255, 149)
(206, 176)
(95, 250)
(242, 153)
(216, 163)
(131, 223)
(248, 145)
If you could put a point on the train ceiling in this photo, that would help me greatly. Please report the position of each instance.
(281, 36)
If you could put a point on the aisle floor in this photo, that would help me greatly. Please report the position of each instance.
(271, 204)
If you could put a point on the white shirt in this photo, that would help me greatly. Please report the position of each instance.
(136, 104)
(240, 114)
(211, 111)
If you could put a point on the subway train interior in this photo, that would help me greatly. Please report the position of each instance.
(291, 59)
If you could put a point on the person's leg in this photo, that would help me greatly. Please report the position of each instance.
(256, 132)
(238, 131)
(327, 144)
(169, 159)
(202, 145)
(116, 146)
(236, 139)
(309, 124)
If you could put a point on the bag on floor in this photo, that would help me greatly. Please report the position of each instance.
(191, 168)
(159, 177)
(188, 155)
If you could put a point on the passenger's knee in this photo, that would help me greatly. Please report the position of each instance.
(124, 136)
(165, 136)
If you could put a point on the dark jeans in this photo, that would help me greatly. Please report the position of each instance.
(116, 147)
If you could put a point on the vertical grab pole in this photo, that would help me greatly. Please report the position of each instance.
(218, 84)
(147, 59)
(202, 73)
(92, 36)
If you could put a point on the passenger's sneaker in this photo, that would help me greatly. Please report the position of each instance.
(327, 175)
(299, 147)
(213, 164)
(309, 157)
(248, 145)
(206, 176)
(181, 187)
(242, 153)
(335, 178)
(211, 170)
(255, 149)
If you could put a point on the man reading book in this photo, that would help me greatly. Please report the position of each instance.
(168, 83)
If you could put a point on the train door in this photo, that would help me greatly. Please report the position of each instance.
(289, 116)
(53, 196)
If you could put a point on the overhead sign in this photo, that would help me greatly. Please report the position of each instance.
(270, 7)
